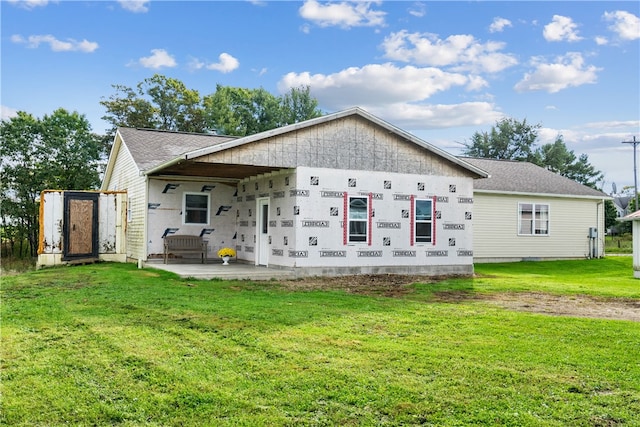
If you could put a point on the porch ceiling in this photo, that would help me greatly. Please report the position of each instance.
(216, 170)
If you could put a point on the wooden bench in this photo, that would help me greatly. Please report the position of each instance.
(185, 244)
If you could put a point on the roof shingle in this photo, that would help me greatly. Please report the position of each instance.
(511, 176)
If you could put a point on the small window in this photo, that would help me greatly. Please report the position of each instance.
(423, 221)
(196, 208)
(358, 219)
(533, 219)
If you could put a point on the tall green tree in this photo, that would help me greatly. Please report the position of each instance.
(58, 151)
(157, 102)
(557, 158)
(166, 103)
(510, 139)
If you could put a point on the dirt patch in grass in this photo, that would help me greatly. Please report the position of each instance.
(389, 285)
(398, 285)
(567, 305)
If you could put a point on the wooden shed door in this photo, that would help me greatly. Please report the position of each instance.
(80, 227)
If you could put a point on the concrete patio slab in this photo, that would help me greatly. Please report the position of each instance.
(233, 271)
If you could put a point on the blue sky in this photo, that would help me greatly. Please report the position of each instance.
(440, 70)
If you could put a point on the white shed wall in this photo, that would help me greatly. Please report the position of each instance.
(111, 233)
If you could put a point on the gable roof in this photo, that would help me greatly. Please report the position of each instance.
(517, 177)
(355, 111)
(151, 148)
(156, 152)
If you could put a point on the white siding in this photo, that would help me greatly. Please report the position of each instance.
(495, 224)
(125, 176)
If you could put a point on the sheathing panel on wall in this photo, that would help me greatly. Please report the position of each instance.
(166, 216)
(307, 218)
(351, 143)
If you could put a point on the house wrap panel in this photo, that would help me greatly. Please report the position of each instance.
(166, 216)
(496, 228)
(306, 226)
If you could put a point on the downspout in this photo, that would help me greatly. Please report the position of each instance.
(600, 225)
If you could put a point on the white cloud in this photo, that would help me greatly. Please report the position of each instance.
(626, 25)
(374, 84)
(568, 71)
(437, 116)
(6, 112)
(135, 6)
(418, 10)
(29, 4)
(601, 141)
(561, 28)
(463, 52)
(226, 63)
(344, 14)
(70, 45)
(601, 41)
(159, 58)
(499, 24)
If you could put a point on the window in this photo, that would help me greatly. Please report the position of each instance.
(196, 208)
(533, 219)
(358, 219)
(423, 221)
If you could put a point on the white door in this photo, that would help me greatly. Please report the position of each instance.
(263, 231)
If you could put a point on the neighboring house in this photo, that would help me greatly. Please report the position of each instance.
(339, 194)
(526, 212)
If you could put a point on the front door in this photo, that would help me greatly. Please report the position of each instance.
(263, 232)
(80, 227)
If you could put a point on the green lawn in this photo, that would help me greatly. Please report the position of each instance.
(109, 344)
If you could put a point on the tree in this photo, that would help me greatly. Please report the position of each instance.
(165, 103)
(610, 215)
(56, 152)
(298, 105)
(509, 139)
(557, 158)
(157, 102)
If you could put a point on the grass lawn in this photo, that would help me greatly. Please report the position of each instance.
(109, 344)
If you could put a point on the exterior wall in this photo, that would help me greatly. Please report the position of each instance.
(496, 236)
(351, 143)
(307, 212)
(111, 233)
(125, 176)
(165, 214)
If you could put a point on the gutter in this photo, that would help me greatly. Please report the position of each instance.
(163, 166)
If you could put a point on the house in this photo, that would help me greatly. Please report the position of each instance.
(340, 194)
(525, 212)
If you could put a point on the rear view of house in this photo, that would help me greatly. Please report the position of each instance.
(340, 194)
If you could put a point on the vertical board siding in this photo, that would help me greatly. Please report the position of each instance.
(350, 143)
